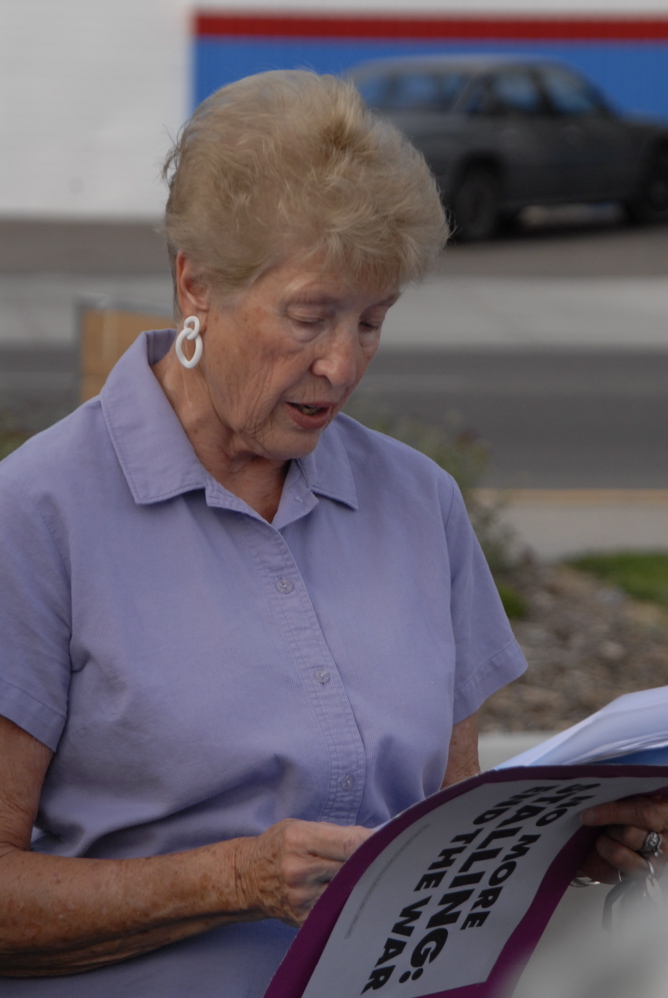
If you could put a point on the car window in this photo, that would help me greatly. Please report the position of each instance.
(412, 91)
(515, 93)
(374, 90)
(416, 91)
(569, 94)
(479, 99)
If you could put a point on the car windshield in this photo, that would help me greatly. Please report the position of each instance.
(416, 90)
(570, 95)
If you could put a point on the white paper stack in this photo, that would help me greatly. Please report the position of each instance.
(632, 729)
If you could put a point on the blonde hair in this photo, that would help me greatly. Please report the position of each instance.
(290, 162)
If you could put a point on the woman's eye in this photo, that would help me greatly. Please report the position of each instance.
(309, 321)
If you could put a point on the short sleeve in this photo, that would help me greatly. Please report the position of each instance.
(487, 654)
(35, 619)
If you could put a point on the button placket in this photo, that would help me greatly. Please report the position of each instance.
(324, 686)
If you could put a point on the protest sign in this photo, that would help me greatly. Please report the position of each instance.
(451, 896)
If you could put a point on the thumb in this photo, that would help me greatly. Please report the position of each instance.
(355, 836)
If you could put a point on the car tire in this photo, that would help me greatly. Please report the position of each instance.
(475, 205)
(651, 202)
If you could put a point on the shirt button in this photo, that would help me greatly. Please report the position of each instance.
(347, 782)
(284, 586)
(322, 675)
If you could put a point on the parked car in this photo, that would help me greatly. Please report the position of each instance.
(502, 133)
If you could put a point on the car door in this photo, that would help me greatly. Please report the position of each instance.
(598, 150)
(508, 119)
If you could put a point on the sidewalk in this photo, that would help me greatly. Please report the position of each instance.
(497, 748)
(570, 312)
(447, 312)
(601, 288)
(558, 523)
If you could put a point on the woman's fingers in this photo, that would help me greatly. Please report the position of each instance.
(312, 854)
(334, 842)
(640, 840)
(285, 870)
(624, 859)
(609, 858)
(597, 868)
(635, 832)
(649, 813)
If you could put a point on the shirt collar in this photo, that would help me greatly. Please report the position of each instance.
(327, 470)
(155, 454)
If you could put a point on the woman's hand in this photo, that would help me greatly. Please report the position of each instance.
(282, 873)
(626, 824)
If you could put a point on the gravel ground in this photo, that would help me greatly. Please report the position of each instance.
(586, 643)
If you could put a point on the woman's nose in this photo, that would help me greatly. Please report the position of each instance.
(338, 359)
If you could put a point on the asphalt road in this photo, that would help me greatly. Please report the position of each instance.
(550, 418)
(586, 409)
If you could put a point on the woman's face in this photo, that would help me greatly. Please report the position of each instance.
(281, 358)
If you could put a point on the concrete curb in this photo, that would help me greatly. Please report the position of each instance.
(558, 523)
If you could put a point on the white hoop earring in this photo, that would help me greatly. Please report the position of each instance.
(190, 331)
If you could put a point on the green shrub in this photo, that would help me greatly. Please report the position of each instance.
(515, 605)
(641, 574)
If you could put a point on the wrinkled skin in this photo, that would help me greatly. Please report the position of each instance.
(289, 865)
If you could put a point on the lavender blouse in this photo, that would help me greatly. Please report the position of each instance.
(201, 673)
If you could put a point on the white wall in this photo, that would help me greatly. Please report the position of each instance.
(90, 91)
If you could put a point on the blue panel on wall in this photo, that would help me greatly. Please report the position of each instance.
(633, 75)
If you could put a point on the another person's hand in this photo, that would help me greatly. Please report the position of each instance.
(622, 848)
(283, 872)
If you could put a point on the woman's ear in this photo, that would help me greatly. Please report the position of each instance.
(192, 292)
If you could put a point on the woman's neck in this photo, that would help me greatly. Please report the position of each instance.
(256, 480)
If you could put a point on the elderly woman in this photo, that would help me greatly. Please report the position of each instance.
(237, 630)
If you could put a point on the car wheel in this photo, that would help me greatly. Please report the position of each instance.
(475, 205)
(651, 203)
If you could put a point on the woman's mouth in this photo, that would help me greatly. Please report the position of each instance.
(308, 410)
(310, 417)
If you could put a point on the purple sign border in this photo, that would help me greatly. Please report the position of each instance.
(300, 961)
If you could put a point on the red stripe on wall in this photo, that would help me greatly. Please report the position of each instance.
(212, 25)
